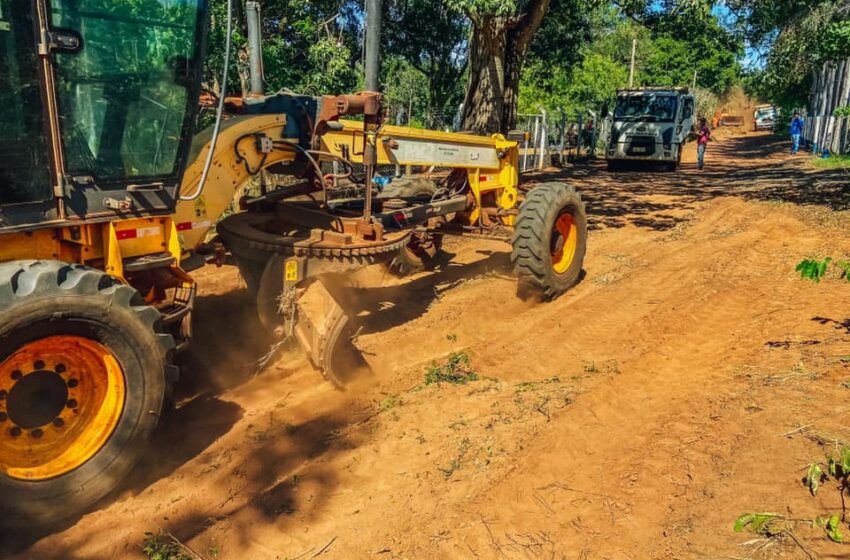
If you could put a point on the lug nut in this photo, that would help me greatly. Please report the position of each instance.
(60, 368)
(38, 365)
(17, 375)
(15, 432)
(73, 383)
(36, 433)
(3, 416)
(72, 403)
(58, 422)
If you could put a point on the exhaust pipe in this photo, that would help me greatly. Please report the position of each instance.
(255, 48)
(373, 45)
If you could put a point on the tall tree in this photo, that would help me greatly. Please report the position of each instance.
(431, 35)
(502, 32)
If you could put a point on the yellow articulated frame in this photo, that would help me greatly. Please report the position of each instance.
(492, 163)
(99, 245)
(228, 173)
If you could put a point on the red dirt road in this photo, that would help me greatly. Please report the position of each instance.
(679, 385)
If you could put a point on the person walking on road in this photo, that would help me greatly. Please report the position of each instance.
(796, 132)
(703, 137)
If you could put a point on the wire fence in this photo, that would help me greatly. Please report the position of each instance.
(828, 133)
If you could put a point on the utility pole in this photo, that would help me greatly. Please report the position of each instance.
(696, 73)
(373, 45)
(632, 67)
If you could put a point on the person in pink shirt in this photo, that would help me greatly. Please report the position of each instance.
(703, 137)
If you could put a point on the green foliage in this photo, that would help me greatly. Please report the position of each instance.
(389, 403)
(815, 270)
(430, 37)
(833, 529)
(798, 36)
(457, 370)
(763, 524)
(671, 46)
(158, 546)
(305, 48)
(842, 111)
(832, 162)
(814, 477)
(839, 467)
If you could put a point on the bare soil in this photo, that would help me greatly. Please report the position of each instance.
(683, 382)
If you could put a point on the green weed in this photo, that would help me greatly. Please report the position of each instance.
(389, 403)
(457, 370)
(159, 546)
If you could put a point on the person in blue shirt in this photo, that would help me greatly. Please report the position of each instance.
(796, 132)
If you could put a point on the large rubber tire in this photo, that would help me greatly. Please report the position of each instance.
(535, 234)
(418, 255)
(41, 299)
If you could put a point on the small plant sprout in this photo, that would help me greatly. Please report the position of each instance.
(389, 403)
(814, 477)
(815, 270)
(457, 370)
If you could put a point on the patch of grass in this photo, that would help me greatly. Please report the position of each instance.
(456, 462)
(611, 367)
(457, 370)
(389, 403)
(527, 386)
(832, 162)
(159, 546)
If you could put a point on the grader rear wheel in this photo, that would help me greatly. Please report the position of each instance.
(550, 240)
(83, 376)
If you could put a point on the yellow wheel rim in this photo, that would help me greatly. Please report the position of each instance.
(60, 400)
(564, 242)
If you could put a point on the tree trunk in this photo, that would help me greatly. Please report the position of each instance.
(496, 55)
(483, 105)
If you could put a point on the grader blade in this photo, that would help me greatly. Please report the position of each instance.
(325, 331)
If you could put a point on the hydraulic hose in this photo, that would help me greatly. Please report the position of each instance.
(220, 110)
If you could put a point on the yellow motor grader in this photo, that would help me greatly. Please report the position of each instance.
(106, 207)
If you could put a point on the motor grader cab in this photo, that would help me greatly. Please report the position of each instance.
(96, 111)
(104, 206)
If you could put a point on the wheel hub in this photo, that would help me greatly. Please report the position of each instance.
(61, 398)
(564, 242)
(37, 399)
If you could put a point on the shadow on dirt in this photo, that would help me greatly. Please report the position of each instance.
(376, 307)
(659, 200)
(836, 324)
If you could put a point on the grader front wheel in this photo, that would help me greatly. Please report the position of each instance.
(550, 240)
(83, 376)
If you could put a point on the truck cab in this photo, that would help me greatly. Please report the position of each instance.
(764, 117)
(650, 124)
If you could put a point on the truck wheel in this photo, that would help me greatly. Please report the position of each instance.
(84, 369)
(550, 240)
(417, 255)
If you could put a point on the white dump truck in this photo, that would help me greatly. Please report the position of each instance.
(764, 117)
(651, 125)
